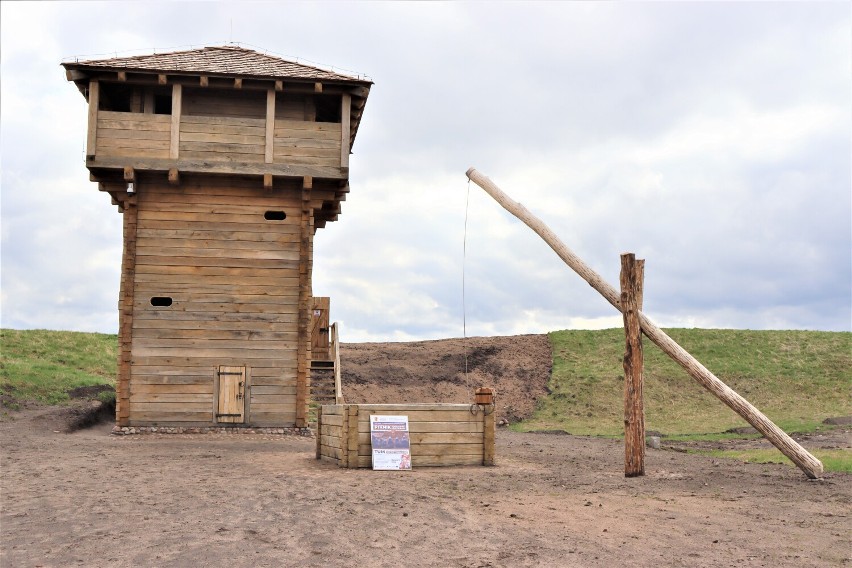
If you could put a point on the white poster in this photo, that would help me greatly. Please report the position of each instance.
(391, 445)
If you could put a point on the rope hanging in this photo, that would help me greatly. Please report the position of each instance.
(464, 264)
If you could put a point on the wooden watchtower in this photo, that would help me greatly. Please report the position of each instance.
(224, 162)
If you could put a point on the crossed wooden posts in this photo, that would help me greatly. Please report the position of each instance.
(810, 465)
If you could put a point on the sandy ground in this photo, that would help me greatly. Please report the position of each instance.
(92, 499)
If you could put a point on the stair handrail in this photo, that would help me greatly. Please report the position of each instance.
(335, 349)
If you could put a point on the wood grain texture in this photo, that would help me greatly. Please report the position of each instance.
(633, 362)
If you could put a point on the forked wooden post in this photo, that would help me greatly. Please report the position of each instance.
(634, 406)
(789, 447)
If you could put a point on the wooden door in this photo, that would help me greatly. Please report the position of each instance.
(232, 400)
(319, 329)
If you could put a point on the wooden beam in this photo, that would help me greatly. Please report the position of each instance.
(174, 176)
(148, 102)
(317, 87)
(810, 465)
(74, 75)
(267, 181)
(94, 102)
(238, 83)
(345, 119)
(279, 86)
(270, 125)
(210, 167)
(129, 175)
(163, 79)
(174, 147)
(122, 76)
(204, 81)
(307, 182)
(634, 405)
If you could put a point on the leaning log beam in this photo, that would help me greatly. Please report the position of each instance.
(810, 465)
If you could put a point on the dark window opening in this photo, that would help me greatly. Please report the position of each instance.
(114, 97)
(274, 215)
(328, 109)
(162, 104)
(161, 301)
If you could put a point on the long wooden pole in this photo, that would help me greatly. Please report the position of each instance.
(634, 361)
(811, 466)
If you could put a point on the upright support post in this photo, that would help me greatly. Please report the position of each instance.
(789, 447)
(634, 405)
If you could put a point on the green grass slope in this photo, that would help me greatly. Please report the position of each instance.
(796, 378)
(40, 365)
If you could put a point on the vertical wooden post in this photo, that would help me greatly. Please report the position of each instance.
(125, 312)
(174, 146)
(634, 410)
(305, 294)
(352, 443)
(94, 102)
(319, 432)
(489, 437)
(345, 110)
(270, 124)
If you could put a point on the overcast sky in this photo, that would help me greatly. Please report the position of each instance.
(711, 139)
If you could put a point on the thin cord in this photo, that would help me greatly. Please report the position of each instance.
(464, 263)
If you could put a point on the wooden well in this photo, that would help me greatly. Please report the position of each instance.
(440, 434)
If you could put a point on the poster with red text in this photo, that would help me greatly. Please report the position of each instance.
(390, 441)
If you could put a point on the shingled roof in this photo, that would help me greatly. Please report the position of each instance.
(226, 60)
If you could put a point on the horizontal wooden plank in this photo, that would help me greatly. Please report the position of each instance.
(164, 417)
(223, 254)
(170, 397)
(222, 138)
(329, 430)
(330, 451)
(248, 197)
(272, 390)
(250, 359)
(434, 438)
(287, 305)
(226, 129)
(223, 262)
(247, 353)
(253, 211)
(430, 461)
(165, 285)
(159, 376)
(330, 441)
(222, 120)
(111, 133)
(107, 143)
(212, 235)
(213, 334)
(187, 320)
(227, 149)
(289, 150)
(437, 427)
(308, 142)
(332, 419)
(170, 407)
(230, 157)
(153, 118)
(140, 343)
(196, 387)
(260, 401)
(434, 450)
(202, 223)
(203, 165)
(202, 272)
(283, 125)
(107, 152)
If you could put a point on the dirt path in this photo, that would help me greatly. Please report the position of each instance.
(92, 499)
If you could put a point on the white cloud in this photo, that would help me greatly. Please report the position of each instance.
(711, 139)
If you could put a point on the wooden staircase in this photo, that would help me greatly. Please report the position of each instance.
(325, 374)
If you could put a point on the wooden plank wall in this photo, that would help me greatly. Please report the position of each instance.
(441, 434)
(133, 134)
(223, 127)
(233, 277)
